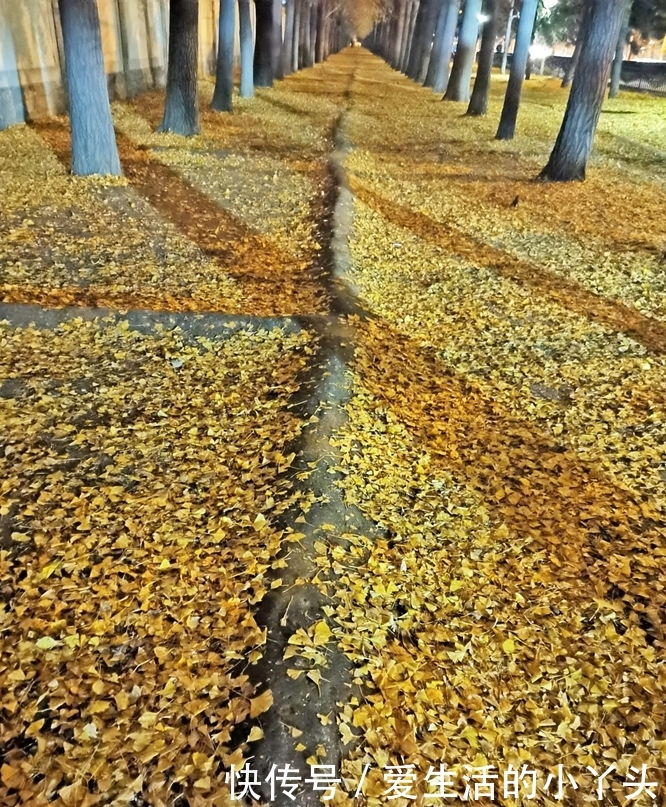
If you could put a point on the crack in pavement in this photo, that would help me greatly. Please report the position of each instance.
(299, 602)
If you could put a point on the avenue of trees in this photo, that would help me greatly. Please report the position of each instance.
(436, 43)
(307, 32)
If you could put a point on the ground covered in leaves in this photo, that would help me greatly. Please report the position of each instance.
(139, 475)
(506, 432)
(229, 221)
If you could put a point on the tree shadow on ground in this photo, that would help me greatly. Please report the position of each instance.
(273, 282)
(570, 509)
(565, 292)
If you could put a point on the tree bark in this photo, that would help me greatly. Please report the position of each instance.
(246, 47)
(263, 46)
(438, 41)
(321, 32)
(296, 42)
(288, 44)
(507, 37)
(409, 32)
(306, 25)
(181, 111)
(478, 104)
(12, 108)
(224, 75)
(418, 37)
(463, 63)
(521, 52)
(94, 149)
(313, 35)
(429, 35)
(400, 23)
(276, 52)
(442, 75)
(616, 70)
(568, 160)
(386, 40)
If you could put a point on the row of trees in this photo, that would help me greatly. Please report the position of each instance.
(417, 37)
(561, 23)
(311, 31)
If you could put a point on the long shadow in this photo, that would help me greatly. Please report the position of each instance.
(273, 282)
(613, 232)
(538, 487)
(568, 293)
(267, 143)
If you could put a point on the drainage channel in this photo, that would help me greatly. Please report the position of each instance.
(301, 708)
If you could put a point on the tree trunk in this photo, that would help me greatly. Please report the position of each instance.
(313, 35)
(438, 40)
(12, 109)
(507, 37)
(303, 28)
(521, 52)
(386, 40)
(573, 62)
(296, 42)
(409, 36)
(288, 44)
(429, 35)
(418, 37)
(529, 65)
(616, 70)
(224, 75)
(154, 45)
(276, 53)
(263, 46)
(306, 25)
(442, 75)
(94, 149)
(246, 48)
(400, 23)
(181, 111)
(478, 104)
(569, 157)
(325, 37)
(321, 32)
(463, 63)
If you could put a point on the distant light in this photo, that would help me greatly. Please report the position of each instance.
(482, 18)
(540, 51)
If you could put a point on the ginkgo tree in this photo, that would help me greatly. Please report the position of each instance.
(598, 27)
(181, 112)
(601, 27)
(94, 149)
(277, 44)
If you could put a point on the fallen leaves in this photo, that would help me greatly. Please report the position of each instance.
(228, 221)
(140, 488)
(509, 440)
(94, 243)
(506, 434)
(261, 704)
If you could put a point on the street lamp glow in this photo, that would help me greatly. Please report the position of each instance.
(538, 52)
